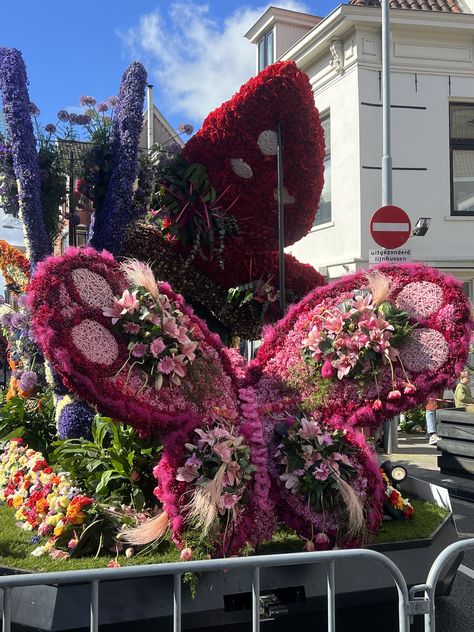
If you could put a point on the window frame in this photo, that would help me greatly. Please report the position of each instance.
(457, 144)
(326, 116)
(263, 44)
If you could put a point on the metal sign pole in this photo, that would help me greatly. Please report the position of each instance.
(281, 224)
(387, 194)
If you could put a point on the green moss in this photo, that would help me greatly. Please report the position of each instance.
(16, 547)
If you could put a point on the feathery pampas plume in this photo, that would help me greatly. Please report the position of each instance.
(140, 274)
(147, 532)
(354, 507)
(379, 286)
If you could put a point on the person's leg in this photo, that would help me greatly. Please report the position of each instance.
(431, 425)
(430, 421)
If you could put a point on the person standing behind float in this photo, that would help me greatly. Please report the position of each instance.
(432, 404)
(462, 394)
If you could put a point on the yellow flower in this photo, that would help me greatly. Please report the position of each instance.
(17, 501)
(64, 502)
(58, 530)
(53, 520)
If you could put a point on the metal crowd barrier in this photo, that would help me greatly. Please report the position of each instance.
(409, 604)
(425, 604)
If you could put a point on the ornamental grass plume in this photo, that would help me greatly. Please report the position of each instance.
(111, 222)
(16, 106)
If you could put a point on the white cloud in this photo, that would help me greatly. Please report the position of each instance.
(195, 61)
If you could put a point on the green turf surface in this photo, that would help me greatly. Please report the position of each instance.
(16, 547)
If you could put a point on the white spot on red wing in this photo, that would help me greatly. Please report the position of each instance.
(267, 142)
(287, 198)
(241, 168)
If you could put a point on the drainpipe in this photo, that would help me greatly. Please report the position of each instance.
(149, 113)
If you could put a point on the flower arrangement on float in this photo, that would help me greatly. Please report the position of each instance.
(325, 481)
(395, 506)
(45, 501)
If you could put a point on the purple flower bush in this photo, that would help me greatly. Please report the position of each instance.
(74, 419)
(16, 106)
(111, 223)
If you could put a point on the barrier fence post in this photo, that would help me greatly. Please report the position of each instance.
(94, 606)
(256, 600)
(330, 581)
(177, 602)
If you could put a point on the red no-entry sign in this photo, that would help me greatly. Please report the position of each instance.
(390, 227)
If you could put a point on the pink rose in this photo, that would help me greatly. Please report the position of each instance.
(409, 389)
(395, 394)
(377, 405)
(327, 370)
(186, 554)
(321, 539)
(113, 564)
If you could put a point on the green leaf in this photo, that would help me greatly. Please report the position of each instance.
(18, 432)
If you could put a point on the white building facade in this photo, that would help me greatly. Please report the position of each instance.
(432, 79)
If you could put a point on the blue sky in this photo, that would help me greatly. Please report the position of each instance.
(194, 51)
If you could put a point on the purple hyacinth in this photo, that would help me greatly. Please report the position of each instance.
(111, 222)
(75, 420)
(16, 106)
(28, 380)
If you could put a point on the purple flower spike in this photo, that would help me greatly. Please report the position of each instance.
(16, 106)
(111, 223)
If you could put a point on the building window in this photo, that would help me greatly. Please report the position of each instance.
(81, 235)
(461, 145)
(265, 51)
(64, 242)
(324, 210)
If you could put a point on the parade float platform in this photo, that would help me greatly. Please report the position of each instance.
(224, 598)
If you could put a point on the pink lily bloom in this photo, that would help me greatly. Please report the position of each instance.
(189, 349)
(179, 365)
(113, 312)
(170, 328)
(129, 302)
